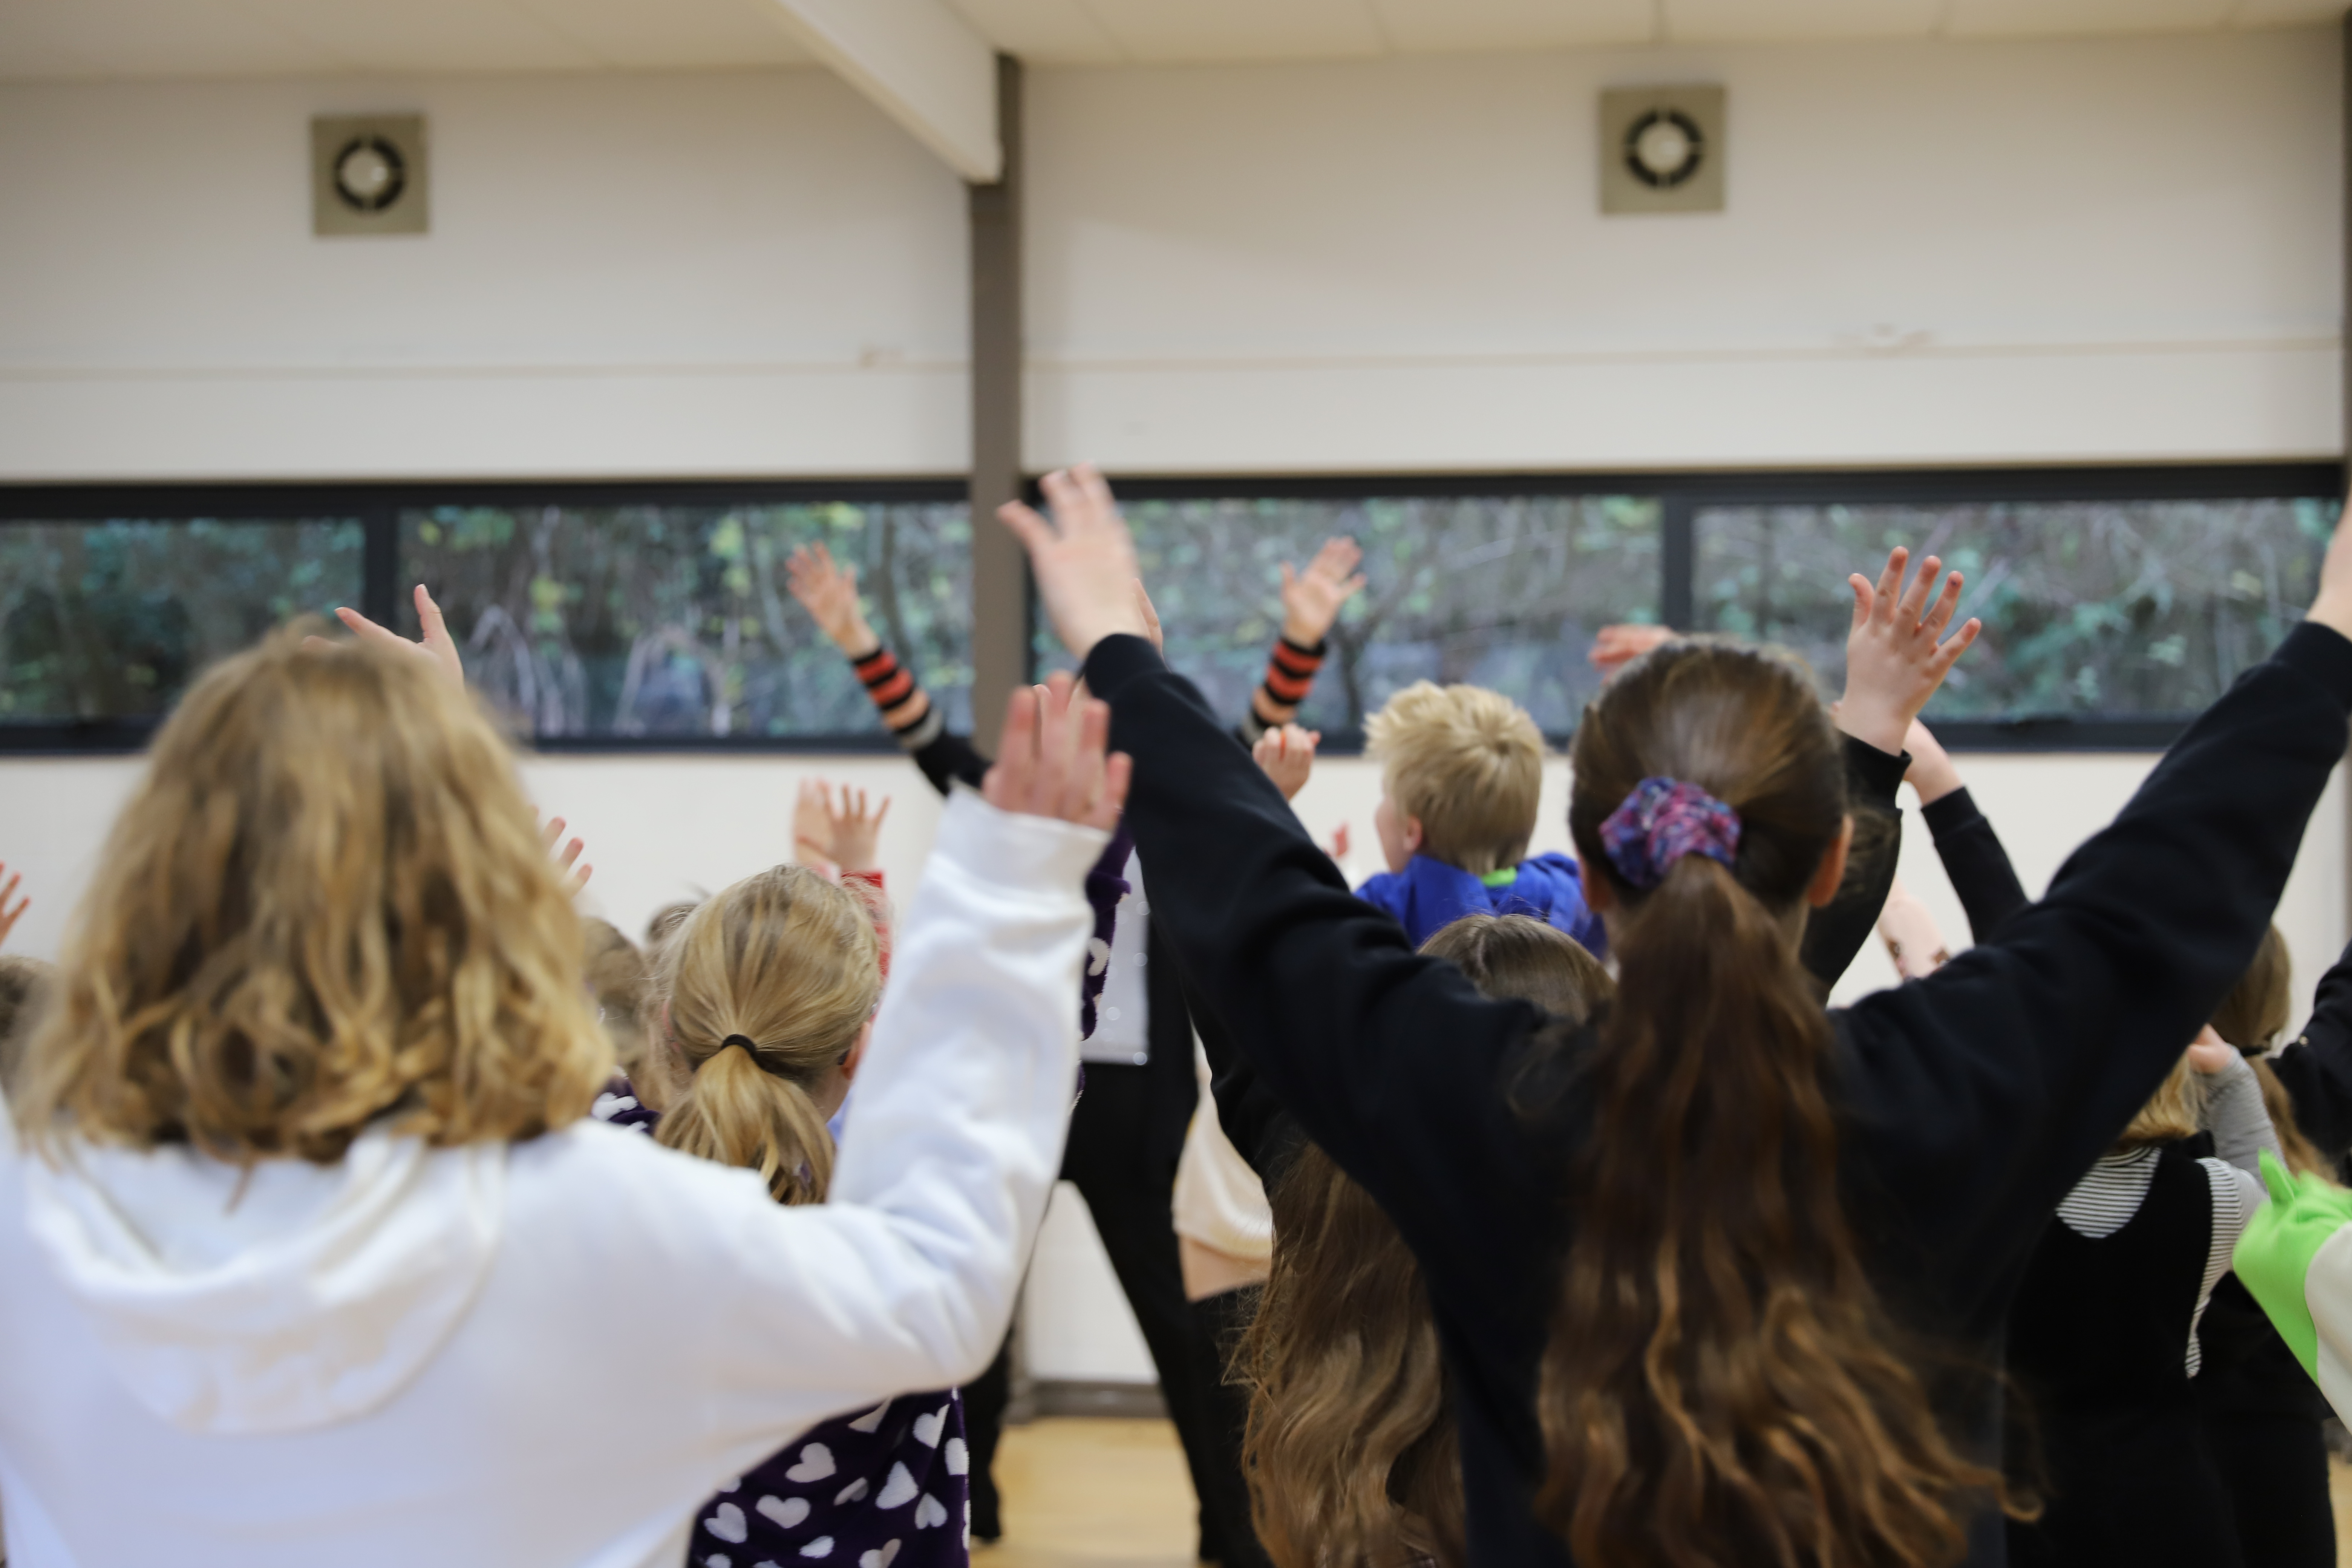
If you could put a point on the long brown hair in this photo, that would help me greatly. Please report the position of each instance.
(2251, 1017)
(1720, 1384)
(326, 904)
(1350, 1454)
(765, 987)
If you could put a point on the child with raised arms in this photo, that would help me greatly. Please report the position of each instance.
(1685, 1258)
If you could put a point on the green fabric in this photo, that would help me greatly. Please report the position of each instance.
(2275, 1256)
(1502, 878)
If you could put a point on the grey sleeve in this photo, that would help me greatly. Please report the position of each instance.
(2241, 1127)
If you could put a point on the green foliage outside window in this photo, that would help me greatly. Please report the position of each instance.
(2144, 608)
(1501, 591)
(112, 619)
(676, 620)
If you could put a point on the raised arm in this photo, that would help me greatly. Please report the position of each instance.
(2023, 1057)
(829, 592)
(1311, 601)
(1971, 851)
(2317, 1068)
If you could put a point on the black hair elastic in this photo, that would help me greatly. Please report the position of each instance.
(751, 1050)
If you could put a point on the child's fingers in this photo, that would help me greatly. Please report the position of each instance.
(1890, 581)
(1866, 599)
(1946, 605)
(1915, 598)
(1007, 785)
(1086, 764)
(428, 616)
(881, 811)
(1034, 531)
(1094, 491)
(1118, 774)
(1949, 654)
(551, 833)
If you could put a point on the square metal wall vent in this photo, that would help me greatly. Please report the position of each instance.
(1662, 149)
(368, 174)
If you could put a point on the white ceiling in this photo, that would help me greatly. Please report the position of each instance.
(49, 39)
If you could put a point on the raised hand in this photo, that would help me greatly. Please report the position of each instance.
(1150, 617)
(436, 644)
(2210, 1054)
(1287, 755)
(1893, 661)
(565, 856)
(1614, 647)
(829, 593)
(855, 826)
(1311, 599)
(2333, 606)
(813, 828)
(1052, 762)
(1083, 560)
(9, 916)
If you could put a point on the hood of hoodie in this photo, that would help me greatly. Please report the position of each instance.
(287, 1297)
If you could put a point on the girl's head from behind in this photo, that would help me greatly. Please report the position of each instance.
(328, 903)
(1350, 1454)
(1720, 1384)
(766, 991)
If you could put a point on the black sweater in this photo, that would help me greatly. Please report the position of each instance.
(1970, 1102)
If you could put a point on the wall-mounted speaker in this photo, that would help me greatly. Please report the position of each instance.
(1662, 149)
(368, 174)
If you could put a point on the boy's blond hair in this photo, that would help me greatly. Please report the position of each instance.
(1469, 764)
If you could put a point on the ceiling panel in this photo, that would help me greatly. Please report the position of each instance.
(143, 38)
(1187, 31)
(1043, 32)
(426, 34)
(674, 34)
(1724, 21)
(2043, 18)
(1428, 27)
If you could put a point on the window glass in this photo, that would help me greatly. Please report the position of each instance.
(1498, 591)
(2107, 609)
(678, 620)
(112, 619)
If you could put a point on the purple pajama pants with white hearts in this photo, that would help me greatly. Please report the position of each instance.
(888, 1489)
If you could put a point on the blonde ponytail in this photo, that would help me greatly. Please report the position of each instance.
(767, 986)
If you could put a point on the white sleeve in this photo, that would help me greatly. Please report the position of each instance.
(904, 1279)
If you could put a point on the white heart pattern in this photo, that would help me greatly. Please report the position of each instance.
(718, 1560)
(729, 1524)
(929, 1427)
(930, 1513)
(881, 1559)
(1097, 955)
(814, 1464)
(959, 1457)
(898, 1490)
(821, 1547)
(852, 1492)
(786, 1511)
(872, 1420)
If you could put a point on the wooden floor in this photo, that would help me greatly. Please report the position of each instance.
(1081, 1492)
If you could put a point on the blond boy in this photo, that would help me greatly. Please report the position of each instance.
(1461, 776)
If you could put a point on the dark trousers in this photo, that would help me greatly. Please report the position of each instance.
(1128, 1180)
(1218, 1323)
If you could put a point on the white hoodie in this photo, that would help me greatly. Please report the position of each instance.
(547, 1353)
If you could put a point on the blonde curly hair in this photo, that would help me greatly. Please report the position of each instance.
(327, 906)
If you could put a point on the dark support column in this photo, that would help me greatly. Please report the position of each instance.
(999, 577)
(1678, 550)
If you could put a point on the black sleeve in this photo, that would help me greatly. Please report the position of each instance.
(1976, 1098)
(1837, 931)
(1978, 866)
(1388, 1060)
(2317, 1070)
(948, 759)
(1253, 1121)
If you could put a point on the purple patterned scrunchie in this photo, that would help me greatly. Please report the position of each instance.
(1664, 820)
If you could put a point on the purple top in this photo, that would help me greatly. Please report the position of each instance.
(1429, 895)
(889, 1488)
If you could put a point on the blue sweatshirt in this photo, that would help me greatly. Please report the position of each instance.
(1429, 895)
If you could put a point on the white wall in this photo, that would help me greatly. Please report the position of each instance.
(2121, 248)
(739, 273)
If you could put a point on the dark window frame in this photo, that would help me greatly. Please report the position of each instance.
(1679, 495)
